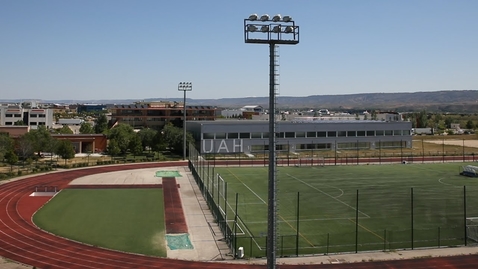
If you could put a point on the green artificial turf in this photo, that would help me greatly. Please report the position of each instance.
(348, 208)
(130, 220)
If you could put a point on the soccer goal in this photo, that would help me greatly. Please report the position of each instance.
(469, 171)
(472, 228)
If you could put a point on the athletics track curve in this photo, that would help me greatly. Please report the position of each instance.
(22, 241)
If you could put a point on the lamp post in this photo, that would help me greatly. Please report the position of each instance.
(273, 31)
(185, 87)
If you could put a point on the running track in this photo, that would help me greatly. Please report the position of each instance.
(21, 241)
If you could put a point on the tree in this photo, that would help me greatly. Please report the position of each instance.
(65, 150)
(64, 130)
(101, 124)
(11, 158)
(86, 128)
(173, 137)
(113, 148)
(159, 143)
(147, 136)
(41, 140)
(448, 122)
(135, 145)
(6, 144)
(470, 125)
(122, 134)
(19, 122)
(25, 146)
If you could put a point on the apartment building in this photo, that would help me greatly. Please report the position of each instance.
(156, 114)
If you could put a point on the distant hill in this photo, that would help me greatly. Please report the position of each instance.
(457, 101)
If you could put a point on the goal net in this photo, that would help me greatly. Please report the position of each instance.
(469, 171)
(472, 228)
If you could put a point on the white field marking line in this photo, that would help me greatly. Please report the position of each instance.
(266, 204)
(439, 180)
(341, 191)
(255, 194)
(304, 220)
(321, 191)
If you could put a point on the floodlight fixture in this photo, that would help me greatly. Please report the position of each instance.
(265, 30)
(253, 17)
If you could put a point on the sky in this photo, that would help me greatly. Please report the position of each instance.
(117, 49)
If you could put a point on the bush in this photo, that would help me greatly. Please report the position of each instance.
(19, 173)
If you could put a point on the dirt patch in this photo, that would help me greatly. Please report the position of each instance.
(466, 143)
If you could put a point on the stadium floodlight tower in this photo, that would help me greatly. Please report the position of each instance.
(273, 31)
(185, 87)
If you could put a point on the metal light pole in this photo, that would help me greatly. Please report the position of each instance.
(275, 31)
(185, 87)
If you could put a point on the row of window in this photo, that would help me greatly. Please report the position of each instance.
(329, 146)
(20, 115)
(307, 134)
(32, 123)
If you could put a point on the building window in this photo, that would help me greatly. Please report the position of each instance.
(332, 134)
(232, 135)
(245, 135)
(360, 133)
(41, 115)
(370, 133)
(265, 135)
(280, 135)
(33, 115)
(342, 133)
(17, 115)
(300, 134)
(207, 136)
(220, 135)
(406, 132)
(351, 134)
(397, 132)
(379, 132)
(388, 132)
(321, 134)
(8, 123)
(289, 134)
(311, 134)
(256, 135)
(8, 115)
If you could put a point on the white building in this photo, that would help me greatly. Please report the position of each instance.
(32, 117)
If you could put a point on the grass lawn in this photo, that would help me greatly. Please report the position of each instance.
(130, 220)
(348, 208)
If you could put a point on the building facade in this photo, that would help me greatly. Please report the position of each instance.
(156, 114)
(251, 137)
(32, 117)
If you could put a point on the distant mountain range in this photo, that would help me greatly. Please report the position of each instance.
(458, 101)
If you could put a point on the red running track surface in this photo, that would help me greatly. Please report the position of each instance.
(22, 241)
